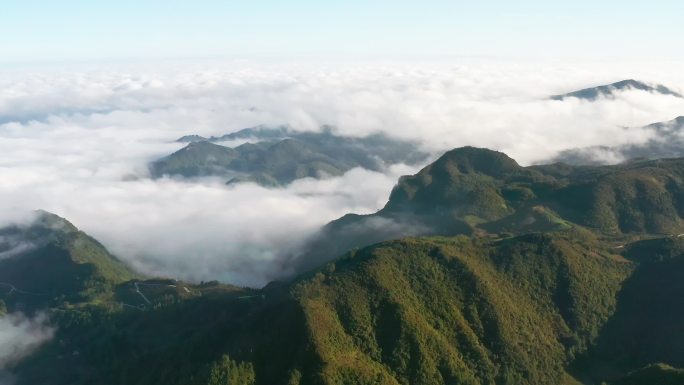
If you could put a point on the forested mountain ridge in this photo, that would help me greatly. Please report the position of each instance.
(533, 309)
(523, 275)
(478, 191)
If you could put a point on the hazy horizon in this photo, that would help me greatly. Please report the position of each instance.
(71, 30)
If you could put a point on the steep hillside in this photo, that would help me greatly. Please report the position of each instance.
(646, 327)
(435, 311)
(533, 309)
(50, 261)
(417, 311)
(479, 191)
(173, 340)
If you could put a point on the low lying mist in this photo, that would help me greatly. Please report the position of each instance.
(77, 142)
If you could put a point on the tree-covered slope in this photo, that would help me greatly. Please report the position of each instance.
(533, 309)
(417, 311)
(646, 327)
(479, 191)
(458, 310)
(173, 341)
(49, 261)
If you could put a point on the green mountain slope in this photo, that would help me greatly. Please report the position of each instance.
(479, 191)
(173, 341)
(50, 262)
(196, 159)
(434, 311)
(418, 311)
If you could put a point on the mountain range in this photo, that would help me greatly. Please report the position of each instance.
(477, 271)
(611, 90)
(482, 192)
(666, 140)
(277, 156)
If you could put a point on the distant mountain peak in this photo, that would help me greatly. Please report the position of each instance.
(277, 155)
(609, 90)
(191, 138)
(256, 132)
(665, 142)
(52, 221)
(201, 144)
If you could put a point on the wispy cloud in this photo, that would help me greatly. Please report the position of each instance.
(19, 336)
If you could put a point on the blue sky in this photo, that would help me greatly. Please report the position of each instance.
(33, 30)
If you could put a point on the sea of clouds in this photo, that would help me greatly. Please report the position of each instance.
(75, 139)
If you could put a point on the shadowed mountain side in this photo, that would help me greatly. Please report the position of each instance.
(478, 191)
(175, 341)
(280, 155)
(353, 231)
(610, 90)
(647, 325)
(659, 374)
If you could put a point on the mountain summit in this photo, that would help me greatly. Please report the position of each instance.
(51, 261)
(610, 90)
(475, 191)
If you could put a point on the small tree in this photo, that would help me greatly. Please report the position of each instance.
(228, 372)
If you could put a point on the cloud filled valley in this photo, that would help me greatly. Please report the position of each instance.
(19, 336)
(76, 141)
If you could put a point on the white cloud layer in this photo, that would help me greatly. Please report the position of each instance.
(73, 138)
(19, 336)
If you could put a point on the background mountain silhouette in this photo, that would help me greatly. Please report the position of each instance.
(278, 156)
